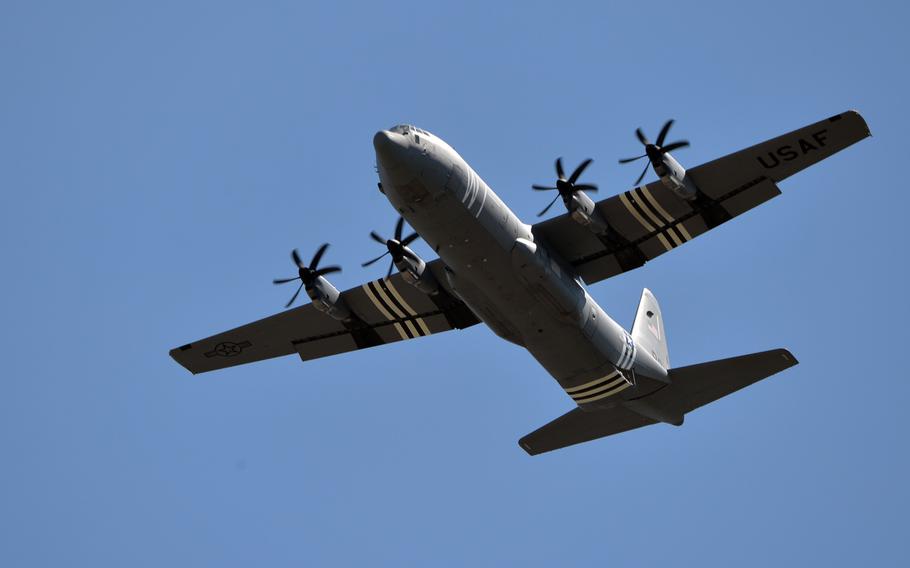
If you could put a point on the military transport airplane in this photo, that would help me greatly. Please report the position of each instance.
(527, 282)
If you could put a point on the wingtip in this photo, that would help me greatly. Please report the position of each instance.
(856, 114)
(787, 356)
(175, 355)
(523, 444)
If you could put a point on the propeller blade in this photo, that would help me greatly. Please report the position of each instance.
(318, 256)
(377, 238)
(643, 172)
(409, 239)
(586, 187)
(326, 270)
(627, 160)
(543, 187)
(641, 136)
(578, 171)
(547, 208)
(295, 256)
(663, 132)
(369, 262)
(559, 171)
(399, 226)
(284, 280)
(674, 146)
(294, 297)
(391, 266)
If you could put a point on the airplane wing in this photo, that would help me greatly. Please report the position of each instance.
(386, 311)
(650, 220)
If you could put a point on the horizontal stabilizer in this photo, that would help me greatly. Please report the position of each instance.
(690, 388)
(580, 426)
(697, 385)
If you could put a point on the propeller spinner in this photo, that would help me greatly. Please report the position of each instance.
(307, 274)
(654, 151)
(396, 246)
(566, 187)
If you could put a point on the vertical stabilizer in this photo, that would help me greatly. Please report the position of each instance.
(648, 329)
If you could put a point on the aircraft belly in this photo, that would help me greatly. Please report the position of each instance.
(486, 279)
(525, 297)
(480, 270)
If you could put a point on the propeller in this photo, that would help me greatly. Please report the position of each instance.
(566, 187)
(396, 246)
(307, 274)
(654, 151)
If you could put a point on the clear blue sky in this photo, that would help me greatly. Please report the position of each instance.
(158, 160)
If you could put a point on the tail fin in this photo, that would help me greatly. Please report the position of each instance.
(648, 329)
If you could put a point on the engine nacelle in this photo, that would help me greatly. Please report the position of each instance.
(582, 209)
(414, 272)
(674, 178)
(327, 299)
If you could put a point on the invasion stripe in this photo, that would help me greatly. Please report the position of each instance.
(632, 353)
(381, 291)
(611, 378)
(633, 208)
(649, 209)
(593, 383)
(592, 392)
(387, 311)
(369, 292)
(605, 395)
(367, 288)
(391, 307)
(679, 226)
(626, 357)
(625, 201)
(407, 307)
(406, 322)
(710, 210)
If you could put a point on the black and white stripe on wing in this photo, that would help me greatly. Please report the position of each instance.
(394, 308)
(380, 304)
(420, 326)
(654, 218)
(676, 231)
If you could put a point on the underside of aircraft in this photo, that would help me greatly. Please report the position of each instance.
(527, 283)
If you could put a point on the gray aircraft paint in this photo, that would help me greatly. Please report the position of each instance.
(527, 282)
(520, 289)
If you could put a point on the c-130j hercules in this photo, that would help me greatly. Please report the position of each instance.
(527, 282)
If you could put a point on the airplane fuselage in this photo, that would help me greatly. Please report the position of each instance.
(527, 282)
(512, 282)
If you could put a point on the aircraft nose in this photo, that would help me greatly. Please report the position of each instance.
(390, 146)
